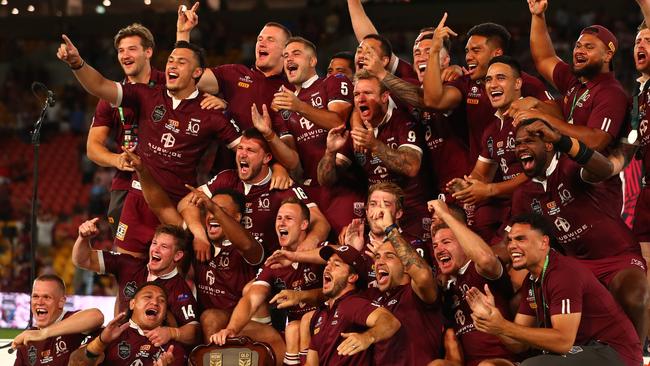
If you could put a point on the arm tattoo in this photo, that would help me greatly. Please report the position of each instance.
(404, 161)
(405, 251)
(405, 91)
(327, 170)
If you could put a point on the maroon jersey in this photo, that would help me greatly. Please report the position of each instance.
(133, 348)
(601, 320)
(53, 351)
(175, 134)
(420, 335)
(262, 204)
(131, 272)
(398, 130)
(477, 346)
(600, 103)
(242, 86)
(578, 211)
(642, 211)
(348, 315)
(298, 276)
(476, 103)
(220, 282)
(123, 122)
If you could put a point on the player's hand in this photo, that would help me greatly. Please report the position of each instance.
(336, 139)
(280, 178)
(159, 336)
(88, 229)
(122, 162)
(280, 259)
(381, 215)
(456, 185)
(452, 72)
(29, 336)
(487, 318)
(287, 100)
(546, 133)
(438, 206)
(354, 234)
(478, 191)
(210, 101)
(373, 247)
(262, 122)
(68, 53)
(354, 343)
(364, 136)
(286, 298)
(523, 104)
(441, 33)
(528, 114)
(167, 358)
(114, 328)
(187, 18)
(537, 7)
(201, 250)
(131, 159)
(221, 336)
(372, 62)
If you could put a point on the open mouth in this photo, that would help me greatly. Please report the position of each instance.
(327, 279)
(151, 313)
(360, 65)
(172, 75)
(262, 53)
(641, 56)
(527, 161)
(40, 312)
(364, 110)
(496, 93)
(283, 233)
(471, 67)
(382, 276)
(444, 258)
(155, 258)
(516, 256)
(292, 68)
(127, 62)
(422, 67)
(580, 60)
(213, 226)
(243, 166)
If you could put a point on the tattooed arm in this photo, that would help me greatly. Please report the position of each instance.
(336, 138)
(405, 91)
(404, 160)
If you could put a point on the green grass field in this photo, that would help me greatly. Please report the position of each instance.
(9, 333)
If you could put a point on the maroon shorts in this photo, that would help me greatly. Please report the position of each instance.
(137, 224)
(641, 226)
(606, 268)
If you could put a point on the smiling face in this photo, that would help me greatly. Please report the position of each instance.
(533, 153)
(375, 44)
(448, 253)
(133, 57)
(421, 51)
(48, 300)
(642, 51)
(181, 70)
(163, 254)
(374, 201)
(369, 101)
(290, 226)
(337, 277)
(389, 268)
(251, 159)
(268, 48)
(589, 56)
(503, 85)
(213, 227)
(527, 247)
(340, 66)
(149, 307)
(299, 63)
(478, 53)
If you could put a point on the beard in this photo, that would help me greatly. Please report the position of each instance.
(588, 71)
(337, 286)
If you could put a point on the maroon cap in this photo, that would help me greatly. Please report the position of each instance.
(603, 34)
(349, 255)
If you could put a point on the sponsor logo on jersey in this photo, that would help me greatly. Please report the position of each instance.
(121, 231)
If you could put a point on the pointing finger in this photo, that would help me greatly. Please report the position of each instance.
(442, 21)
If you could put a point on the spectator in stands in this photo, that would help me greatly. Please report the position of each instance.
(125, 341)
(467, 261)
(55, 332)
(166, 252)
(580, 211)
(556, 315)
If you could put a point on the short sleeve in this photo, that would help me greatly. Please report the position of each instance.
(610, 111)
(219, 181)
(564, 297)
(360, 309)
(227, 130)
(487, 146)
(131, 94)
(264, 277)
(338, 88)
(533, 87)
(109, 262)
(185, 308)
(460, 84)
(409, 135)
(104, 116)
(563, 77)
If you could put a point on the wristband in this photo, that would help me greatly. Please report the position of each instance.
(583, 155)
(389, 229)
(96, 346)
(268, 137)
(83, 63)
(90, 354)
(564, 145)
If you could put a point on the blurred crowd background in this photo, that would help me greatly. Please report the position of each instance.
(72, 188)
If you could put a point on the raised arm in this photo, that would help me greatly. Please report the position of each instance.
(541, 46)
(645, 10)
(83, 256)
(282, 152)
(327, 166)
(192, 216)
(437, 95)
(361, 24)
(88, 77)
(486, 262)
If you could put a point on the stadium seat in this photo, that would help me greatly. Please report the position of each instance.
(237, 351)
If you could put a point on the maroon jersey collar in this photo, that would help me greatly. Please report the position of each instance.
(551, 168)
(176, 102)
(308, 82)
(135, 326)
(166, 276)
(217, 248)
(248, 186)
(389, 113)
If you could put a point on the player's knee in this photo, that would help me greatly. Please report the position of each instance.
(631, 290)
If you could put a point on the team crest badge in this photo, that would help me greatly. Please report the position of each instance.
(536, 206)
(31, 355)
(490, 145)
(158, 113)
(285, 114)
(360, 158)
(129, 289)
(359, 208)
(123, 350)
